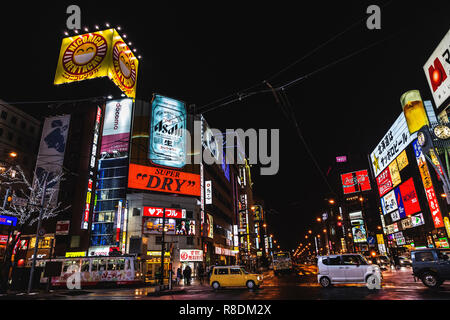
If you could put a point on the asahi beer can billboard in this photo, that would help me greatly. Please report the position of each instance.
(167, 145)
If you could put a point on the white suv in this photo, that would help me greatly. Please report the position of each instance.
(345, 268)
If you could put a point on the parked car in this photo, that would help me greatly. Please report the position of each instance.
(345, 268)
(405, 261)
(432, 266)
(234, 276)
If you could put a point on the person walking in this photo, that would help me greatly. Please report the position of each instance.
(187, 275)
(200, 273)
(179, 276)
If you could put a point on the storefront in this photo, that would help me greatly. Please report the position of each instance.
(192, 258)
(225, 256)
(152, 265)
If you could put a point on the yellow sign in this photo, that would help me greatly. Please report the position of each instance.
(395, 174)
(75, 254)
(447, 225)
(380, 239)
(158, 253)
(124, 66)
(97, 54)
(402, 160)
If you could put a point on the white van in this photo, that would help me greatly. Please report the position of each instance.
(345, 268)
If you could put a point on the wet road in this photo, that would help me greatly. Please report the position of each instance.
(301, 285)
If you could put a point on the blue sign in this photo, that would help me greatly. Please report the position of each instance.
(167, 132)
(401, 207)
(9, 221)
(371, 240)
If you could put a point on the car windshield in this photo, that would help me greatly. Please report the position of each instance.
(442, 254)
(243, 270)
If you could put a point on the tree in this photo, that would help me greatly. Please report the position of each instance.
(26, 207)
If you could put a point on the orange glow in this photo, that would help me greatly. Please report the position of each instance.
(331, 201)
(13, 154)
(318, 219)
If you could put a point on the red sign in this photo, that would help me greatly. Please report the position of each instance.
(170, 213)
(3, 239)
(437, 74)
(355, 181)
(409, 197)
(163, 180)
(384, 182)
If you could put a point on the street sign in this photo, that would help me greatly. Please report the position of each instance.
(371, 240)
(9, 221)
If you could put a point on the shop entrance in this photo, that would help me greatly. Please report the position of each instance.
(152, 266)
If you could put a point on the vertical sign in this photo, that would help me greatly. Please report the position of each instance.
(119, 218)
(428, 186)
(208, 192)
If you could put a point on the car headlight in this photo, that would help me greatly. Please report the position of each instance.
(259, 278)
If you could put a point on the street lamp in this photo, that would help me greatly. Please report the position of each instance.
(318, 219)
(13, 154)
(331, 201)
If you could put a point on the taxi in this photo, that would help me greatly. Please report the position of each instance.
(234, 276)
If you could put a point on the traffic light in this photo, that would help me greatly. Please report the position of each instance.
(339, 224)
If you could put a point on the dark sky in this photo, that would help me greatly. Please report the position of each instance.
(200, 52)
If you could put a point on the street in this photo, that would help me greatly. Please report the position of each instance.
(301, 285)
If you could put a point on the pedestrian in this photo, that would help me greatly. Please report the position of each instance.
(187, 275)
(200, 273)
(179, 275)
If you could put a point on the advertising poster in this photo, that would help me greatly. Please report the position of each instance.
(402, 160)
(384, 182)
(409, 197)
(437, 71)
(185, 227)
(428, 186)
(395, 174)
(359, 234)
(191, 255)
(116, 126)
(389, 202)
(157, 212)
(401, 207)
(395, 216)
(417, 220)
(355, 181)
(167, 145)
(155, 226)
(210, 226)
(51, 151)
(163, 180)
(208, 192)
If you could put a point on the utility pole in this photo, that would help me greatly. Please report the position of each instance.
(30, 283)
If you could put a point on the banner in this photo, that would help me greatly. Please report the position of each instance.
(97, 54)
(167, 145)
(191, 255)
(163, 180)
(355, 181)
(210, 226)
(428, 186)
(384, 182)
(208, 192)
(51, 152)
(170, 213)
(116, 126)
(409, 197)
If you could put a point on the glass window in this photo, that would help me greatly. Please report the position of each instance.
(235, 271)
(4, 115)
(13, 120)
(244, 271)
(424, 256)
(443, 255)
(334, 261)
(353, 260)
(94, 266)
(85, 266)
(67, 264)
(111, 264)
(120, 264)
(222, 271)
(102, 265)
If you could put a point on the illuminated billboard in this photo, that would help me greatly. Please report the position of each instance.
(437, 71)
(359, 234)
(409, 197)
(163, 180)
(392, 144)
(97, 54)
(384, 182)
(167, 145)
(355, 181)
(116, 127)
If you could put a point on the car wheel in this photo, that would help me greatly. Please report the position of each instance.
(325, 282)
(430, 280)
(250, 284)
(215, 285)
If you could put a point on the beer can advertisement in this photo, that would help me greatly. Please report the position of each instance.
(437, 71)
(97, 54)
(167, 145)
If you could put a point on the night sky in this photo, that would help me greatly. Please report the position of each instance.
(203, 52)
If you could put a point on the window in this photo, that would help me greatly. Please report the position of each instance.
(94, 266)
(352, 260)
(85, 266)
(69, 263)
(235, 271)
(102, 265)
(333, 261)
(112, 265)
(443, 255)
(221, 271)
(13, 120)
(424, 256)
(4, 115)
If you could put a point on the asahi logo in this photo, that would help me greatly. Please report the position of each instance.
(166, 127)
